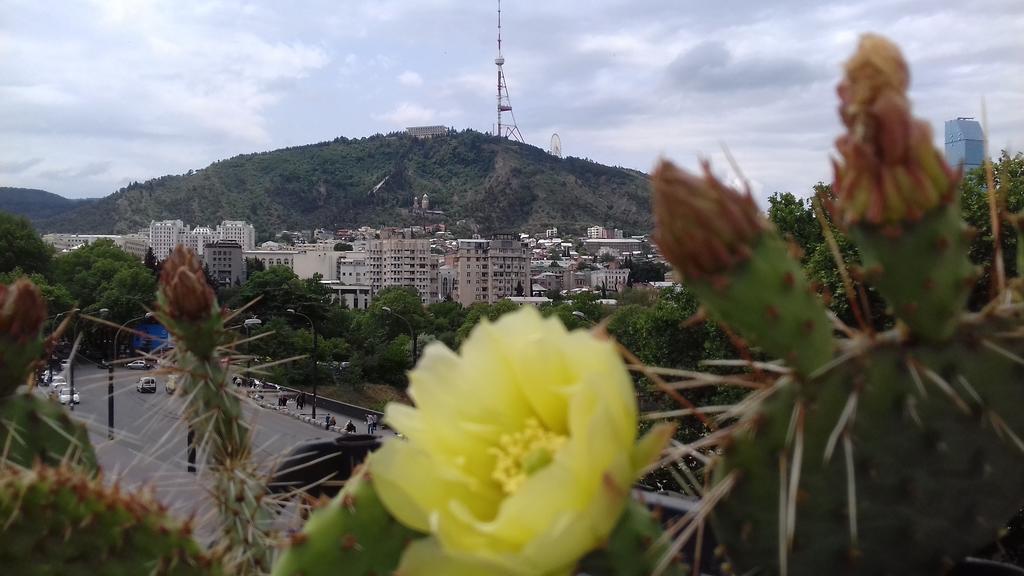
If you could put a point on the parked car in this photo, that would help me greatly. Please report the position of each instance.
(139, 365)
(171, 385)
(146, 384)
(65, 396)
(58, 381)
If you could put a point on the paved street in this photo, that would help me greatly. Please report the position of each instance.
(149, 445)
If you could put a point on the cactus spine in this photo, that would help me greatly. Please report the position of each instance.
(189, 310)
(899, 452)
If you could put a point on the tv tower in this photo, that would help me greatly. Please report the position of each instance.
(504, 105)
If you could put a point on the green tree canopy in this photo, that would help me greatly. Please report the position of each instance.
(22, 247)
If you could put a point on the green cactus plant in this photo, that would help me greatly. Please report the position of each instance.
(59, 522)
(893, 453)
(353, 530)
(187, 307)
(31, 429)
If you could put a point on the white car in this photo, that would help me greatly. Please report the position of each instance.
(139, 365)
(64, 395)
(146, 384)
(58, 381)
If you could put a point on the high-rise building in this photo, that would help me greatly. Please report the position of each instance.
(965, 143)
(398, 259)
(198, 238)
(238, 231)
(223, 259)
(165, 235)
(489, 270)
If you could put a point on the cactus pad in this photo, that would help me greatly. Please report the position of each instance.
(33, 430)
(353, 532)
(55, 522)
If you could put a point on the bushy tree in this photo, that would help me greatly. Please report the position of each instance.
(22, 247)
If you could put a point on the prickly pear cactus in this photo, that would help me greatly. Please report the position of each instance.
(189, 310)
(353, 531)
(57, 521)
(32, 429)
(879, 453)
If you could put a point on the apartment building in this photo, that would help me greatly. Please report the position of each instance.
(165, 235)
(398, 259)
(223, 259)
(238, 231)
(489, 270)
(198, 238)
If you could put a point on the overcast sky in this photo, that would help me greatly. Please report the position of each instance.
(96, 94)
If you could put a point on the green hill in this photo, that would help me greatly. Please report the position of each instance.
(494, 184)
(36, 205)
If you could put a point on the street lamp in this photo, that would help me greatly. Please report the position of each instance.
(71, 360)
(411, 331)
(110, 372)
(249, 324)
(313, 328)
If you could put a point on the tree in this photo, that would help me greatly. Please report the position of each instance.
(253, 265)
(88, 271)
(22, 247)
(58, 299)
(342, 247)
(151, 262)
(794, 218)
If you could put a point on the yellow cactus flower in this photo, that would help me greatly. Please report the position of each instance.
(520, 453)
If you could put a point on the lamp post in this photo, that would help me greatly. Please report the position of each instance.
(313, 328)
(110, 372)
(411, 331)
(71, 360)
(55, 318)
(249, 324)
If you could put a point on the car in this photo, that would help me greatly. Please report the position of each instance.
(171, 385)
(64, 396)
(58, 381)
(139, 365)
(146, 384)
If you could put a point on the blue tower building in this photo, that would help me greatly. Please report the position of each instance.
(965, 143)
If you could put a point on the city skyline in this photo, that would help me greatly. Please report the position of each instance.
(96, 95)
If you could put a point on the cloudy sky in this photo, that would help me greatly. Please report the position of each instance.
(97, 94)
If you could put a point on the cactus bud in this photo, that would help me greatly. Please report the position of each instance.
(702, 226)
(890, 170)
(22, 311)
(187, 296)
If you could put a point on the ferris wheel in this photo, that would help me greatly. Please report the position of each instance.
(556, 145)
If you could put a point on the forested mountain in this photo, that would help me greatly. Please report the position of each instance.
(494, 184)
(36, 204)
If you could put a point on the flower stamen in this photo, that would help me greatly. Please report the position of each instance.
(521, 454)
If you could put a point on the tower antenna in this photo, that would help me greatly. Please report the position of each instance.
(504, 104)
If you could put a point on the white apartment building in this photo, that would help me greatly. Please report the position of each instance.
(397, 259)
(351, 268)
(238, 231)
(198, 238)
(165, 235)
(134, 244)
(609, 279)
(489, 270)
(595, 231)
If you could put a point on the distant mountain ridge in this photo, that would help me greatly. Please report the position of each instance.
(35, 204)
(491, 184)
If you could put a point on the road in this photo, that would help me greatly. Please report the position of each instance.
(148, 448)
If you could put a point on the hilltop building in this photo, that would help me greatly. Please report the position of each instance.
(426, 131)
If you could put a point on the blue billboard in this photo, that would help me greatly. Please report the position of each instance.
(156, 338)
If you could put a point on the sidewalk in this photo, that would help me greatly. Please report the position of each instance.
(269, 401)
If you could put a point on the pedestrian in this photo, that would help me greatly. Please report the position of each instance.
(369, 423)
(300, 400)
(350, 427)
(327, 421)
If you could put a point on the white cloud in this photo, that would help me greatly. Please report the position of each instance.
(410, 78)
(408, 114)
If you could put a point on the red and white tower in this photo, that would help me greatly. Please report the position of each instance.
(504, 130)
